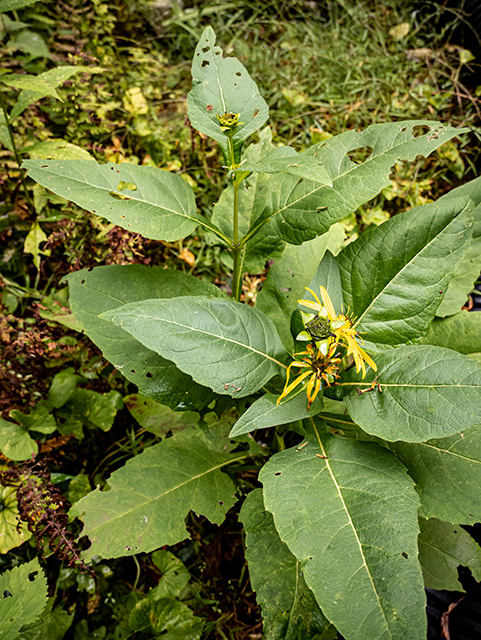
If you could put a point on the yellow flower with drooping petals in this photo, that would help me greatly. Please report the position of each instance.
(341, 326)
(320, 367)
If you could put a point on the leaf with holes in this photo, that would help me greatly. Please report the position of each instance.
(328, 499)
(425, 392)
(223, 86)
(308, 209)
(447, 472)
(227, 346)
(105, 288)
(150, 497)
(442, 548)
(289, 609)
(146, 200)
(394, 276)
(24, 590)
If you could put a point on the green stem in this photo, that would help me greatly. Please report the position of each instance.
(15, 150)
(236, 248)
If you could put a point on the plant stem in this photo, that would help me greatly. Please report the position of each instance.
(236, 248)
(15, 150)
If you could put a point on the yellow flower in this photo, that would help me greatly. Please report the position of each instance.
(342, 327)
(320, 367)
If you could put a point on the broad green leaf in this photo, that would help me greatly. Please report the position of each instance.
(173, 620)
(222, 85)
(287, 160)
(288, 277)
(174, 576)
(348, 511)
(157, 204)
(104, 288)
(146, 507)
(92, 408)
(62, 388)
(56, 149)
(289, 609)
(265, 412)
(442, 548)
(393, 277)
(461, 332)
(52, 625)
(28, 588)
(309, 209)
(467, 271)
(447, 473)
(157, 418)
(31, 43)
(427, 392)
(30, 83)
(252, 200)
(13, 5)
(35, 237)
(53, 78)
(39, 419)
(15, 442)
(78, 488)
(227, 346)
(13, 532)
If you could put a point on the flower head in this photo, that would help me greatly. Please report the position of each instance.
(319, 368)
(341, 327)
(229, 121)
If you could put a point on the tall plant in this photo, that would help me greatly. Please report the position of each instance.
(355, 519)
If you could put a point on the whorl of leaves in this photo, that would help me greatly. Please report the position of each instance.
(44, 508)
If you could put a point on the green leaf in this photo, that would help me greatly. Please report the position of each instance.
(35, 237)
(264, 412)
(365, 576)
(461, 332)
(447, 473)
(53, 78)
(92, 408)
(52, 625)
(308, 209)
(174, 578)
(39, 419)
(467, 271)
(28, 588)
(32, 44)
(146, 507)
(13, 5)
(442, 548)
(157, 418)
(160, 205)
(104, 288)
(13, 532)
(286, 159)
(173, 620)
(427, 392)
(288, 277)
(222, 85)
(252, 201)
(78, 488)
(230, 347)
(327, 274)
(393, 277)
(63, 386)
(15, 443)
(289, 609)
(30, 83)
(56, 149)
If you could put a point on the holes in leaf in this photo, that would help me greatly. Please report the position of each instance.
(403, 129)
(205, 49)
(149, 375)
(209, 107)
(221, 502)
(217, 53)
(405, 555)
(238, 73)
(7, 594)
(43, 166)
(359, 155)
(83, 281)
(278, 473)
(420, 130)
(256, 113)
(118, 196)
(126, 185)
(31, 576)
(132, 371)
(205, 63)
